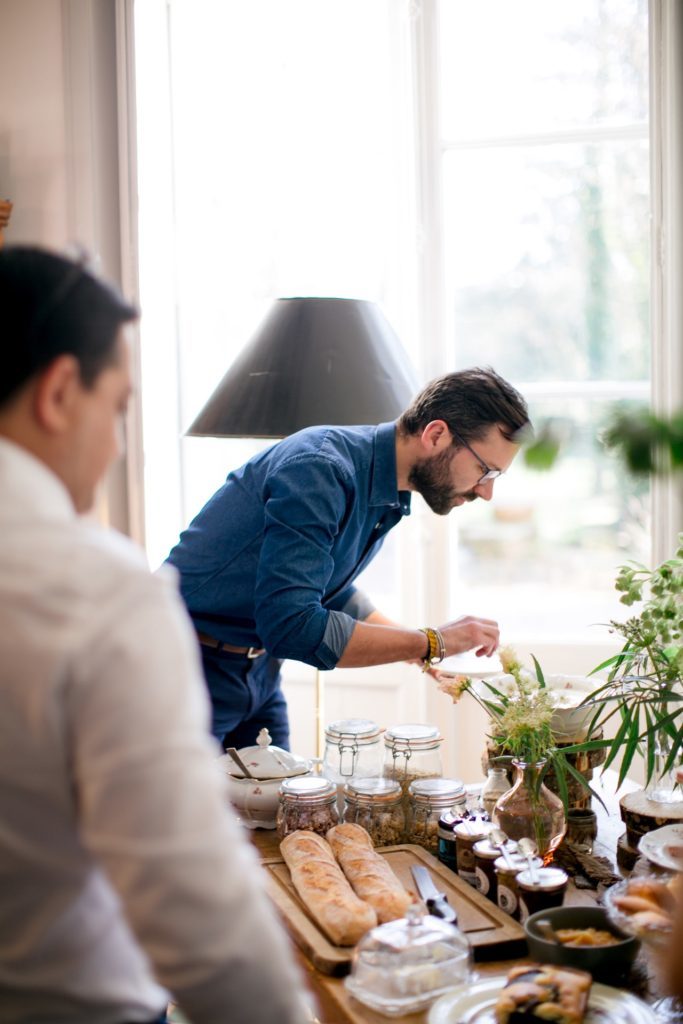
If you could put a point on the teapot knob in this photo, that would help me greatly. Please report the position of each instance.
(263, 739)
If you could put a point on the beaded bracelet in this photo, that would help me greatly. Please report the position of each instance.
(436, 650)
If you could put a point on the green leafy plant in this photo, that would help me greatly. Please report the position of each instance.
(648, 445)
(644, 691)
(520, 710)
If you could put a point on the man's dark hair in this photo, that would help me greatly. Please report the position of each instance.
(469, 402)
(52, 306)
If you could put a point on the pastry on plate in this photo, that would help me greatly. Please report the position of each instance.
(647, 905)
(534, 993)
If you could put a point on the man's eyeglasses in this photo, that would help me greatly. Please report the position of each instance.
(488, 474)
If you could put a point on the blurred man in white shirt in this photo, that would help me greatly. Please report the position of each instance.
(123, 876)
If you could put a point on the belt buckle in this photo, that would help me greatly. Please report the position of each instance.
(254, 652)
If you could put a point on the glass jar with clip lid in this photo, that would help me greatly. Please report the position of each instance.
(429, 799)
(352, 751)
(377, 805)
(412, 752)
(308, 802)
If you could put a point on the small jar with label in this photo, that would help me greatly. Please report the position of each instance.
(308, 802)
(412, 752)
(377, 805)
(540, 889)
(507, 895)
(485, 856)
(428, 799)
(446, 838)
(467, 833)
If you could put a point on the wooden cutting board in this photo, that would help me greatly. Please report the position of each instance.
(492, 933)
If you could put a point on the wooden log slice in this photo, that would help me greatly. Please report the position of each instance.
(626, 854)
(641, 815)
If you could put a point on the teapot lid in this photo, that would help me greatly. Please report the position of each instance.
(266, 761)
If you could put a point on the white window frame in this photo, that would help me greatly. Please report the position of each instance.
(426, 580)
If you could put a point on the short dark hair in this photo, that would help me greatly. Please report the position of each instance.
(469, 402)
(52, 306)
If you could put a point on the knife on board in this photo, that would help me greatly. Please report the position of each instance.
(436, 902)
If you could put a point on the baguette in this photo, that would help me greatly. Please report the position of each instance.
(324, 890)
(369, 874)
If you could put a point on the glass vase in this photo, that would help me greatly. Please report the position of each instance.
(530, 810)
(662, 787)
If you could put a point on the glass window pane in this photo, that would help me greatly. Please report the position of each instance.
(542, 556)
(531, 65)
(547, 259)
(285, 164)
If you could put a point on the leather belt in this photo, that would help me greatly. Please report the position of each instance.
(217, 645)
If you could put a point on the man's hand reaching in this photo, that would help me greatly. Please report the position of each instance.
(471, 633)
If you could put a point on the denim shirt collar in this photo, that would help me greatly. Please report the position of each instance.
(384, 489)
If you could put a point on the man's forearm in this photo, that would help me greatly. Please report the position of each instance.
(373, 643)
(377, 641)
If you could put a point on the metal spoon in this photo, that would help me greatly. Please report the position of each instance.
(239, 762)
(499, 839)
(547, 931)
(528, 848)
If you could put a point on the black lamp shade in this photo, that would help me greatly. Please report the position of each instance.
(312, 361)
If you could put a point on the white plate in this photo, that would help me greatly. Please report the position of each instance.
(661, 846)
(474, 1004)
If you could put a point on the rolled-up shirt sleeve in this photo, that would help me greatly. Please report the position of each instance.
(306, 501)
(356, 608)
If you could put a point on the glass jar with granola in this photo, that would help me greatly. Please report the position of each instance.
(412, 752)
(376, 804)
(429, 798)
(308, 802)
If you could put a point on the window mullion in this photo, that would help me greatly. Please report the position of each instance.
(666, 90)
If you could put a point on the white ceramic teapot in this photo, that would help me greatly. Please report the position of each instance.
(256, 799)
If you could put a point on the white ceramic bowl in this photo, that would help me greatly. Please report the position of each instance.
(569, 721)
(256, 799)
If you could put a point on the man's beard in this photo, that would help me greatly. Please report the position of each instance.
(432, 479)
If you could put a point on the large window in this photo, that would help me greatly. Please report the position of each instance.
(479, 169)
(278, 164)
(545, 211)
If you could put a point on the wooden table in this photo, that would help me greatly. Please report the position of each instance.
(336, 1006)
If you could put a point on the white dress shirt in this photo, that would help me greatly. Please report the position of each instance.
(119, 861)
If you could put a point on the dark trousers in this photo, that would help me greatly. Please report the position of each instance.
(246, 697)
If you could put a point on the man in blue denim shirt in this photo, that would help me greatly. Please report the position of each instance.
(267, 566)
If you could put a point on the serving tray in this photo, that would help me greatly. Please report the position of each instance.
(492, 933)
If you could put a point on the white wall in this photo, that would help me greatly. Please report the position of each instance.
(32, 121)
(59, 150)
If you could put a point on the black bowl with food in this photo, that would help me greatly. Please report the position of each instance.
(588, 940)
